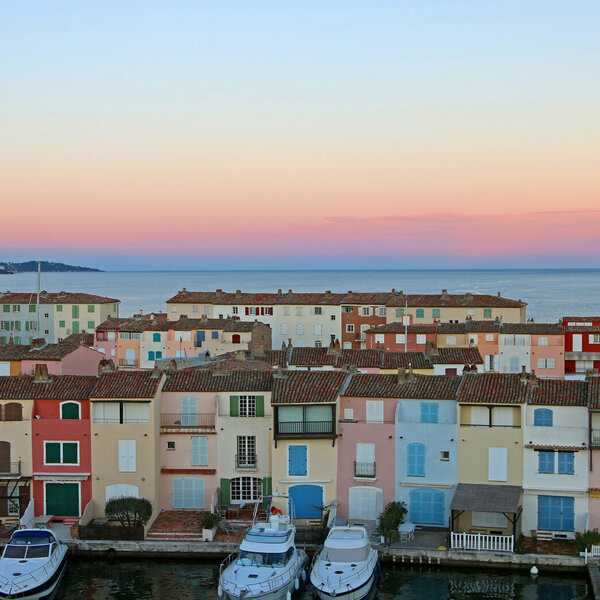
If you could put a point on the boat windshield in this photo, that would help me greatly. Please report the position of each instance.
(346, 555)
(28, 537)
(17, 551)
(264, 559)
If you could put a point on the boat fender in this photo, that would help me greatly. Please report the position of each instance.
(220, 591)
(534, 571)
(303, 575)
(288, 596)
(22, 527)
(297, 583)
(276, 511)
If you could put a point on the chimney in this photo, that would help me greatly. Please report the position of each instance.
(430, 348)
(338, 346)
(238, 293)
(410, 375)
(533, 379)
(524, 375)
(328, 293)
(106, 365)
(173, 364)
(331, 348)
(290, 343)
(257, 349)
(279, 292)
(219, 291)
(380, 347)
(402, 375)
(499, 295)
(220, 368)
(155, 372)
(283, 346)
(289, 291)
(279, 373)
(393, 290)
(444, 294)
(38, 342)
(240, 356)
(350, 293)
(40, 373)
(352, 370)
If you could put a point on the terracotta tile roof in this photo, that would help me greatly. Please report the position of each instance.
(368, 298)
(590, 329)
(472, 326)
(54, 351)
(233, 364)
(255, 299)
(452, 329)
(276, 357)
(493, 388)
(398, 327)
(14, 351)
(307, 387)
(126, 384)
(139, 325)
(54, 298)
(202, 380)
(433, 387)
(533, 328)
(454, 300)
(555, 392)
(112, 324)
(83, 339)
(594, 393)
(65, 387)
(457, 356)
(311, 356)
(362, 359)
(403, 360)
(16, 388)
(580, 319)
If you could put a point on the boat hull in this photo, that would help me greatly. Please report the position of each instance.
(354, 594)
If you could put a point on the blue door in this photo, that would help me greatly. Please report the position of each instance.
(305, 500)
(427, 507)
(556, 513)
(297, 463)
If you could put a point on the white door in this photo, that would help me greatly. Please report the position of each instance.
(577, 337)
(497, 464)
(127, 456)
(366, 503)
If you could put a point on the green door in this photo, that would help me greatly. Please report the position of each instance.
(62, 499)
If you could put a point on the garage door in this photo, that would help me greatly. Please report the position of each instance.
(62, 499)
(366, 503)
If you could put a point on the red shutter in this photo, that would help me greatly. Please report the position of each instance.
(262, 310)
(247, 310)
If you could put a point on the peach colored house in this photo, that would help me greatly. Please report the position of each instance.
(63, 359)
(106, 337)
(547, 350)
(11, 356)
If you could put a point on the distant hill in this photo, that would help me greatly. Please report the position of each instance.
(47, 267)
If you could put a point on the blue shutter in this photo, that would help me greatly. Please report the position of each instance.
(297, 460)
(416, 460)
(556, 513)
(199, 445)
(566, 463)
(200, 337)
(544, 512)
(158, 354)
(429, 412)
(427, 507)
(156, 337)
(568, 513)
(542, 417)
(188, 492)
(546, 462)
(150, 354)
(215, 335)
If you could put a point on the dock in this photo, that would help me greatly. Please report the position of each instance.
(594, 575)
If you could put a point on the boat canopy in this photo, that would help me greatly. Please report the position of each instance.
(27, 537)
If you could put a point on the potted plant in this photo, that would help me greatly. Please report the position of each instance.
(209, 526)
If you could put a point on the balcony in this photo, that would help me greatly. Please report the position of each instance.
(10, 469)
(364, 469)
(305, 429)
(129, 362)
(187, 420)
(595, 438)
(245, 461)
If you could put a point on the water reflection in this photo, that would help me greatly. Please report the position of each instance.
(92, 579)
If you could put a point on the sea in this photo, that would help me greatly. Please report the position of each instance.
(550, 293)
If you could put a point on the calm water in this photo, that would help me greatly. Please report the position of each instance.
(187, 580)
(550, 293)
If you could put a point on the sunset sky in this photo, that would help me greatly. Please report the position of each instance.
(422, 133)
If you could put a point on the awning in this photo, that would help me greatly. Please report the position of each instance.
(486, 498)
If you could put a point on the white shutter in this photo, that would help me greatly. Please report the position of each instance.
(503, 415)
(365, 453)
(199, 450)
(127, 456)
(480, 415)
(349, 414)
(189, 411)
(379, 338)
(106, 412)
(400, 338)
(577, 342)
(498, 464)
(374, 411)
(136, 413)
(421, 339)
(284, 329)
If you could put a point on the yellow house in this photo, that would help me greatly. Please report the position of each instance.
(305, 419)
(125, 432)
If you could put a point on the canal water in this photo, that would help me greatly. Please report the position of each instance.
(93, 579)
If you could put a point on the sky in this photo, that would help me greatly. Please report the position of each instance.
(285, 134)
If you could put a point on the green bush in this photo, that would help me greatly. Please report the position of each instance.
(587, 540)
(392, 516)
(209, 520)
(129, 511)
(520, 548)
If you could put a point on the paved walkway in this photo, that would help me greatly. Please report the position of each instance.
(177, 525)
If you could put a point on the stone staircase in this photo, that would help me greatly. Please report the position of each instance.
(176, 526)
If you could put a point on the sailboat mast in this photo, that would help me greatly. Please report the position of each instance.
(37, 301)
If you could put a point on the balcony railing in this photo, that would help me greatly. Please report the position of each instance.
(12, 469)
(128, 362)
(187, 420)
(595, 437)
(305, 427)
(245, 461)
(364, 469)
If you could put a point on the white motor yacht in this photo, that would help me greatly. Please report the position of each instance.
(32, 565)
(346, 566)
(268, 566)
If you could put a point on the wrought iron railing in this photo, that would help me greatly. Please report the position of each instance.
(128, 362)
(304, 427)
(187, 419)
(10, 468)
(364, 469)
(595, 437)
(245, 461)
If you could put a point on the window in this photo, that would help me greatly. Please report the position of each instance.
(247, 406)
(427, 507)
(300, 329)
(379, 338)
(489, 337)
(170, 445)
(594, 338)
(61, 453)
(365, 460)
(16, 308)
(62, 324)
(365, 311)
(158, 354)
(420, 313)
(542, 417)
(514, 364)
(546, 462)
(435, 313)
(566, 463)
(381, 311)
(318, 344)
(75, 311)
(349, 414)
(150, 354)
(347, 309)
(556, 513)
(444, 455)
(32, 308)
(400, 338)
(156, 337)
(30, 325)
(136, 413)
(451, 340)
(199, 450)
(124, 335)
(286, 311)
(298, 311)
(543, 341)
(333, 317)
(188, 492)
(429, 412)
(246, 489)
(486, 519)
(127, 456)
(6, 308)
(110, 335)
(214, 335)
(421, 339)
(497, 464)
(374, 411)
(297, 461)
(350, 328)
(115, 413)
(91, 308)
(487, 313)
(399, 312)
(234, 310)
(91, 324)
(236, 339)
(318, 329)
(70, 410)
(246, 451)
(194, 308)
(318, 310)
(415, 454)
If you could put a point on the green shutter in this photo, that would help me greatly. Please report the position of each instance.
(69, 410)
(91, 324)
(32, 308)
(52, 453)
(75, 311)
(260, 406)
(61, 323)
(225, 492)
(26, 325)
(234, 406)
(266, 490)
(70, 453)
(75, 326)
(6, 308)
(59, 308)
(91, 308)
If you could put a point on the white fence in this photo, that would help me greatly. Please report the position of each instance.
(593, 552)
(479, 541)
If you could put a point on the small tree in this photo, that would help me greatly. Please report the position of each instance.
(129, 511)
(390, 518)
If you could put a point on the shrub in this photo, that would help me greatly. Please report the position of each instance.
(520, 548)
(391, 517)
(209, 520)
(587, 540)
(129, 511)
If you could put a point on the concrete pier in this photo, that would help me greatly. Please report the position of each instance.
(594, 574)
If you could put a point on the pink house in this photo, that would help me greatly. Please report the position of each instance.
(397, 337)
(547, 350)
(63, 359)
(106, 338)
(366, 450)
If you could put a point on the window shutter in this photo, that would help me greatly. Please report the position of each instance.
(497, 464)
(177, 493)
(127, 456)
(199, 450)
(69, 410)
(566, 463)
(234, 406)
(70, 453)
(546, 462)
(260, 406)
(247, 310)
(150, 354)
(225, 492)
(189, 411)
(52, 452)
(267, 487)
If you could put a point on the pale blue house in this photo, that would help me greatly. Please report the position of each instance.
(426, 437)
